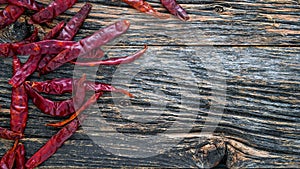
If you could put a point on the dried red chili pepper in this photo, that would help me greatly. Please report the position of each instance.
(19, 103)
(10, 14)
(29, 4)
(145, 7)
(95, 53)
(53, 144)
(85, 45)
(9, 135)
(114, 61)
(60, 108)
(54, 31)
(54, 9)
(174, 8)
(42, 47)
(26, 70)
(8, 159)
(102, 36)
(88, 103)
(3, 1)
(64, 85)
(20, 157)
(74, 24)
(79, 92)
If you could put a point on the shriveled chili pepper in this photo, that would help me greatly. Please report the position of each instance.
(79, 92)
(114, 61)
(60, 108)
(87, 104)
(44, 60)
(20, 157)
(85, 45)
(64, 85)
(19, 103)
(10, 14)
(54, 9)
(54, 31)
(174, 8)
(3, 1)
(9, 135)
(8, 159)
(95, 53)
(42, 47)
(145, 7)
(29, 4)
(53, 144)
(26, 70)
(74, 23)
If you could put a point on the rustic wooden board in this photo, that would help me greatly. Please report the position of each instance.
(252, 76)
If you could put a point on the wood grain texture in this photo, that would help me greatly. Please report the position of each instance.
(236, 63)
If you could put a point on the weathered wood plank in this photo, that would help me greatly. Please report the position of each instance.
(259, 126)
(237, 23)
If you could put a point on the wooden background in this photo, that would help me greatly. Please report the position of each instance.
(244, 58)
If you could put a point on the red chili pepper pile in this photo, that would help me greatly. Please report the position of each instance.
(56, 49)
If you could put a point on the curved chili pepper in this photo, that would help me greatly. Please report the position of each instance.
(64, 85)
(145, 7)
(174, 8)
(52, 144)
(60, 108)
(88, 103)
(79, 92)
(9, 135)
(27, 69)
(42, 47)
(54, 9)
(29, 4)
(10, 14)
(85, 45)
(54, 31)
(114, 61)
(20, 157)
(74, 24)
(95, 53)
(19, 103)
(8, 159)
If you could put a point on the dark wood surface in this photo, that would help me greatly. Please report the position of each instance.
(237, 63)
